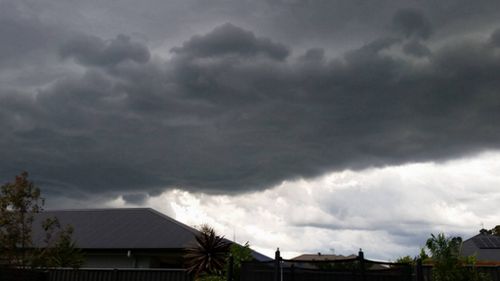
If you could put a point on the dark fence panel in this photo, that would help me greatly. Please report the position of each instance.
(22, 275)
(353, 269)
(118, 275)
(252, 271)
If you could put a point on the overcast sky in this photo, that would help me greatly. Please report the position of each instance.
(307, 125)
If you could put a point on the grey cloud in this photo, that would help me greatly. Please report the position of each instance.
(335, 24)
(230, 39)
(412, 23)
(212, 122)
(27, 54)
(314, 55)
(91, 50)
(21, 35)
(135, 198)
(495, 38)
(416, 48)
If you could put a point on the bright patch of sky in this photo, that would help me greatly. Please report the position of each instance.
(388, 212)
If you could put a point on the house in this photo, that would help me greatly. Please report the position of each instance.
(319, 260)
(322, 257)
(484, 246)
(311, 260)
(125, 238)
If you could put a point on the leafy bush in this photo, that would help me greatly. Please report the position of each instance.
(448, 265)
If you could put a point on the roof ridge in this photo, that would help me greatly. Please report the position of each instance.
(472, 237)
(191, 229)
(94, 209)
(164, 216)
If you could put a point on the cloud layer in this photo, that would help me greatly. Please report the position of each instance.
(388, 212)
(231, 111)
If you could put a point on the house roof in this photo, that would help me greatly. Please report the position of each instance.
(125, 228)
(136, 228)
(485, 247)
(321, 257)
(486, 241)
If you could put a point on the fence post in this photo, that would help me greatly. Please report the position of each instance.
(361, 257)
(419, 270)
(115, 274)
(277, 261)
(231, 268)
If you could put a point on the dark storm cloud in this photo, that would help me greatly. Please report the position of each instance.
(233, 111)
(91, 50)
(229, 39)
(21, 36)
(416, 49)
(27, 57)
(495, 38)
(412, 23)
(135, 198)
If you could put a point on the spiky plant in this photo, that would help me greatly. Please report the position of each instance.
(208, 254)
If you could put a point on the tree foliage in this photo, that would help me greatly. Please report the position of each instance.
(445, 256)
(405, 260)
(20, 201)
(59, 249)
(494, 231)
(211, 248)
(240, 255)
(448, 265)
(208, 255)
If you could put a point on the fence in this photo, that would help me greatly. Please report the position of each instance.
(7, 274)
(119, 275)
(357, 269)
(96, 275)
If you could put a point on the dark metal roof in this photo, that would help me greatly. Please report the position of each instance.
(138, 228)
(486, 241)
(132, 228)
(484, 247)
(322, 257)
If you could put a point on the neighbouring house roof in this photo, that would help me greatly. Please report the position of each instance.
(134, 228)
(321, 257)
(486, 241)
(127, 228)
(485, 247)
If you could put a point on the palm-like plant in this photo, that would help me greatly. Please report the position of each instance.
(208, 254)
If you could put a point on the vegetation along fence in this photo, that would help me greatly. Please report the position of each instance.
(493, 272)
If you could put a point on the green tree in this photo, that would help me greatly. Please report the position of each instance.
(494, 231)
(20, 201)
(59, 250)
(423, 255)
(445, 256)
(448, 265)
(240, 255)
(405, 260)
